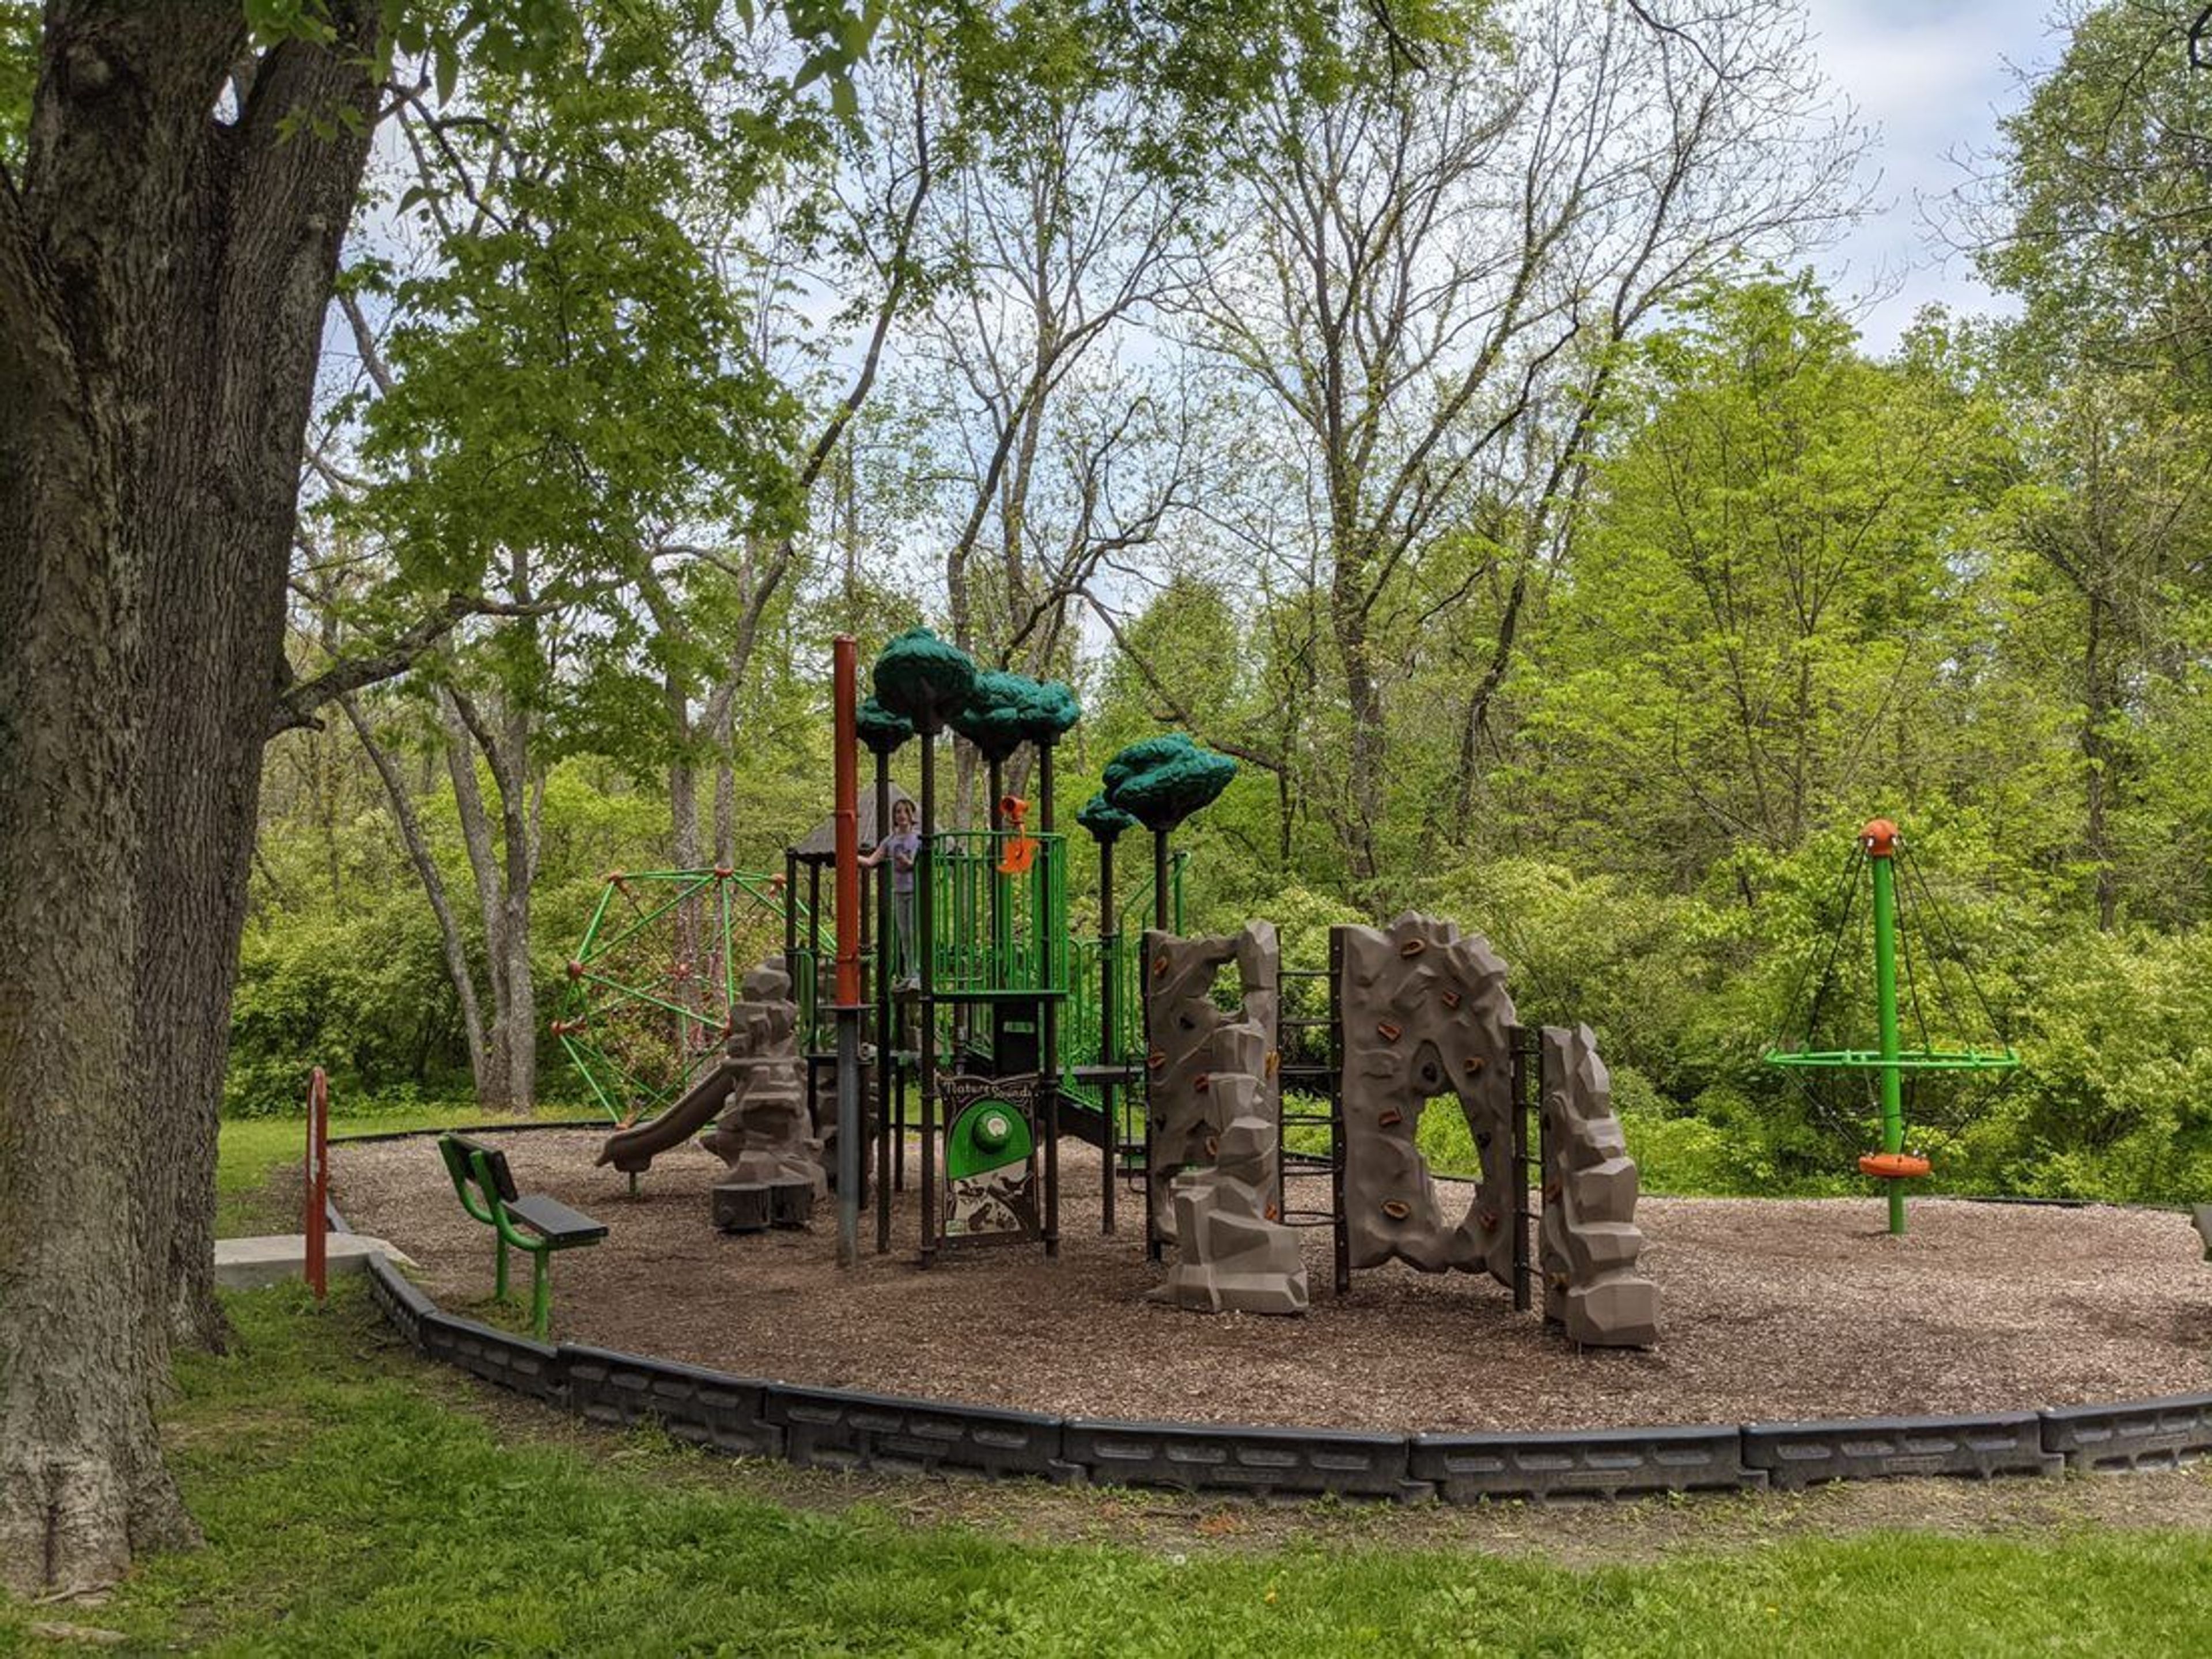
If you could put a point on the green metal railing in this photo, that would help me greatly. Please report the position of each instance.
(996, 929)
(1080, 1043)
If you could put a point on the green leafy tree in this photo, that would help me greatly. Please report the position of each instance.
(166, 259)
(1754, 643)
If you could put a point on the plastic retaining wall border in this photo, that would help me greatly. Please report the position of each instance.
(840, 1428)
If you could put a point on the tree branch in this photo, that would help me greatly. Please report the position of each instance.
(296, 703)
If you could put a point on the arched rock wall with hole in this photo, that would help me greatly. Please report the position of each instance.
(1424, 1013)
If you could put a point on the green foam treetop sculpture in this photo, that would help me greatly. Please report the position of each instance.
(992, 717)
(924, 680)
(1105, 821)
(1007, 710)
(1050, 712)
(1162, 780)
(880, 730)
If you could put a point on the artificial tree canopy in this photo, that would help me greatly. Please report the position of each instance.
(1104, 820)
(924, 680)
(1050, 712)
(882, 730)
(1162, 780)
(992, 718)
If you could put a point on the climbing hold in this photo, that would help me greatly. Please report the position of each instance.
(1387, 1031)
(1274, 1062)
(1154, 1060)
(1396, 1208)
(1486, 1220)
(1474, 1063)
(1452, 997)
(1272, 1212)
(1160, 966)
(1199, 1083)
(1213, 1146)
(1391, 1119)
(1412, 947)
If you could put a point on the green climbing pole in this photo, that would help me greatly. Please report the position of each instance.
(1883, 860)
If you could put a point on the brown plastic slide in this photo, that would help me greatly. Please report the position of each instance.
(632, 1151)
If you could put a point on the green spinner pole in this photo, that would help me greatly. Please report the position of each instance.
(1882, 856)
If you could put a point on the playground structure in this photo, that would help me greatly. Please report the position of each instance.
(1878, 855)
(1007, 1032)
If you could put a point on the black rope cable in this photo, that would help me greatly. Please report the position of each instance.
(1965, 967)
(1850, 893)
(1798, 1080)
(1909, 1083)
(1911, 972)
(1966, 1096)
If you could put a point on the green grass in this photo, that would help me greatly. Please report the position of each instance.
(350, 1507)
(355, 1500)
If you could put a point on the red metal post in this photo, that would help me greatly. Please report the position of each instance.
(316, 1219)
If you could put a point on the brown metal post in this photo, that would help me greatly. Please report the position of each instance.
(846, 680)
(1107, 1103)
(925, 1004)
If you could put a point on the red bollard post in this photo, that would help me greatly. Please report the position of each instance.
(316, 1219)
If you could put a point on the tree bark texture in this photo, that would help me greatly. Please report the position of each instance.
(163, 277)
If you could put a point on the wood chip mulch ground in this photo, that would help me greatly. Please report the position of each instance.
(1769, 1309)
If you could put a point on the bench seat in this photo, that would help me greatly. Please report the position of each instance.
(536, 1224)
(555, 1221)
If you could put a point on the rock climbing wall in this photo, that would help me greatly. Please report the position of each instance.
(1192, 1040)
(1588, 1242)
(764, 1135)
(1232, 1255)
(1424, 1014)
(1212, 1096)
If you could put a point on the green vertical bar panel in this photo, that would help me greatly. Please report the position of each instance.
(1880, 855)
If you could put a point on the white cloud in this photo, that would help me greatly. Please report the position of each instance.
(1931, 79)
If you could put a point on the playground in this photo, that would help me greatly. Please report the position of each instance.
(1152, 1175)
(1775, 1310)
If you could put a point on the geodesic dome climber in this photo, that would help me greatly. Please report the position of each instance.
(651, 983)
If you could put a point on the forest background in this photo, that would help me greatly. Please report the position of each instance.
(1440, 422)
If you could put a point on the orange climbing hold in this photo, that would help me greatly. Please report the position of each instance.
(1893, 1166)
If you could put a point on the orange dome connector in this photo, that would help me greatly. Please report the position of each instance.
(1893, 1166)
(1879, 838)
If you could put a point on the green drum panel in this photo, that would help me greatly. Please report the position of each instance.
(990, 1134)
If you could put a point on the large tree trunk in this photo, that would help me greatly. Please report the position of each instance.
(162, 279)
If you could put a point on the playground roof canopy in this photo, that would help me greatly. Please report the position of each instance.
(821, 847)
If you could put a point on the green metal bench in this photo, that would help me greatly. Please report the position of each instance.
(535, 1224)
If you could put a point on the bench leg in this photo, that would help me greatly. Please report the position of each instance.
(541, 1293)
(499, 1282)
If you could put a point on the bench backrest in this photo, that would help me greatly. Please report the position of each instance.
(464, 1157)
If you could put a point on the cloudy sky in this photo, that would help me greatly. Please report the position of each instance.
(1930, 77)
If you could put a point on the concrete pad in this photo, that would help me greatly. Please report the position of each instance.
(247, 1264)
